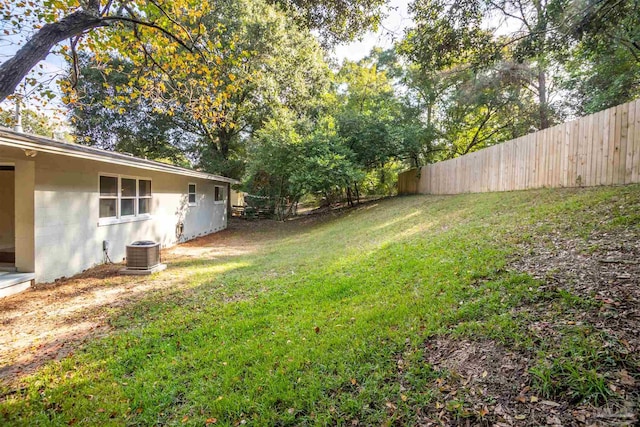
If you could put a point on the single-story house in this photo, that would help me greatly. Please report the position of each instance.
(67, 207)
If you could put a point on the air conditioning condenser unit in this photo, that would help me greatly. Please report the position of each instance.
(143, 257)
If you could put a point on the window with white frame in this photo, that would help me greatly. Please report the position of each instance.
(144, 196)
(108, 196)
(219, 194)
(192, 194)
(124, 197)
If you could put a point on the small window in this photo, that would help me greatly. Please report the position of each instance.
(219, 194)
(108, 196)
(192, 194)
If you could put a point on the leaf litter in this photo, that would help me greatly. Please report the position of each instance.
(482, 382)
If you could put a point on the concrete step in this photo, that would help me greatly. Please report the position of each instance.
(12, 283)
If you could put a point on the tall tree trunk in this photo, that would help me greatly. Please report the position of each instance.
(224, 140)
(542, 97)
(38, 47)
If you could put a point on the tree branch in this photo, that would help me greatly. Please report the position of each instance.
(38, 47)
(150, 25)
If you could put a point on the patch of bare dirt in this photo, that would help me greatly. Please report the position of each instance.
(605, 267)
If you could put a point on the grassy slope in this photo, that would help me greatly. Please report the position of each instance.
(310, 331)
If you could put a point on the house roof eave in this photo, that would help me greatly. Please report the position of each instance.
(25, 141)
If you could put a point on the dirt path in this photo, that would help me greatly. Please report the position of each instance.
(52, 320)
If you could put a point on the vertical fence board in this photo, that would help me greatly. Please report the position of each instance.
(546, 147)
(523, 158)
(533, 160)
(547, 157)
(572, 160)
(615, 156)
(606, 133)
(580, 170)
(597, 148)
(612, 146)
(557, 150)
(556, 140)
(631, 134)
(628, 127)
(590, 151)
(565, 154)
(553, 157)
(635, 169)
(514, 159)
(501, 172)
(513, 171)
(497, 157)
(624, 137)
(539, 159)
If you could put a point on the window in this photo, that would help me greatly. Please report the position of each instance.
(192, 194)
(124, 198)
(127, 197)
(108, 196)
(219, 195)
(144, 196)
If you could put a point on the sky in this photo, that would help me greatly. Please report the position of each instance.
(392, 29)
(396, 19)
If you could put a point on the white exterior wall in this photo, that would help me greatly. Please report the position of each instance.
(68, 237)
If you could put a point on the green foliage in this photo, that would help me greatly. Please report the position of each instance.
(32, 122)
(603, 67)
(336, 20)
(102, 118)
(271, 64)
(357, 131)
(326, 164)
(275, 155)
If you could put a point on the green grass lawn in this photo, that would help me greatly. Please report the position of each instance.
(310, 330)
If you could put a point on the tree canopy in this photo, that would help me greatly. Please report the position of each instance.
(160, 37)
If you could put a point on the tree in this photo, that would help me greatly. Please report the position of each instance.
(368, 113)
(599, 22)
(159, 36)
(453, 34)
(275, 154)
(151, 23)
(101, 118)
(603, 65)
(336, 20)
(281, 66)
(483, 108)
(327, 165)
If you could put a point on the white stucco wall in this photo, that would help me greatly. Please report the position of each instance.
(68, 237)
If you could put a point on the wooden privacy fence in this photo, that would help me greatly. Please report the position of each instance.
(599, 149)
